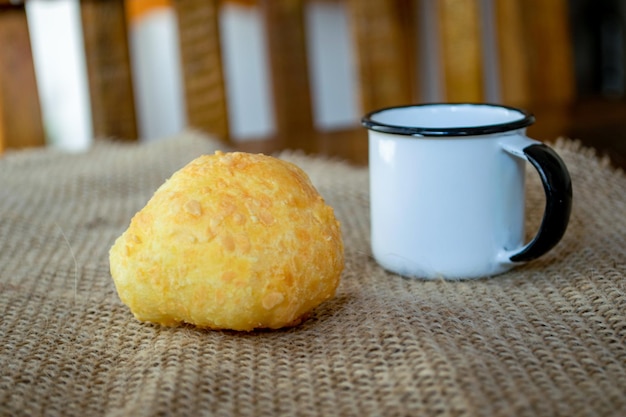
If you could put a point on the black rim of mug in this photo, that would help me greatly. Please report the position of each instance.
(526, 120)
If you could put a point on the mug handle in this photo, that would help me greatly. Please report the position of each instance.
(557, 185)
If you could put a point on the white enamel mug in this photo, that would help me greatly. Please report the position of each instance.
(447, 190)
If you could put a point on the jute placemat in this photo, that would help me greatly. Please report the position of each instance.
(547, 339)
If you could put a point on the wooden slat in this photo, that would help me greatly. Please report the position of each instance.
(550, 50)
(385, 52)
(512, 41)
(535, 50)
(205, 93)
(461, 52)
(21, 122)
(109, 69)
(546, 50)
(284, 22)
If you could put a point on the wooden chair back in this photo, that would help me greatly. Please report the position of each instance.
(516, 52)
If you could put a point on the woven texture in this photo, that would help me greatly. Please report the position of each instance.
(547, 339)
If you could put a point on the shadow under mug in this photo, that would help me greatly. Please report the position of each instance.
(447, 189)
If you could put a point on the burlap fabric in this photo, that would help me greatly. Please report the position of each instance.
(547, 339)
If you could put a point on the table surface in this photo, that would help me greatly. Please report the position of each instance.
(546, 339)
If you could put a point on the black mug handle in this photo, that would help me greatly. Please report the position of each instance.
(557, 185)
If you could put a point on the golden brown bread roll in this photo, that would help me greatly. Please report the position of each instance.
(231, 241)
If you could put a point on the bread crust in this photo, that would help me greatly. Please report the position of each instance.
(231, 241)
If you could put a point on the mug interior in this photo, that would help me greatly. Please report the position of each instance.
(443, 119)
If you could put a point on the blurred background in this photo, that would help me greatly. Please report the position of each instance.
(263, 75)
